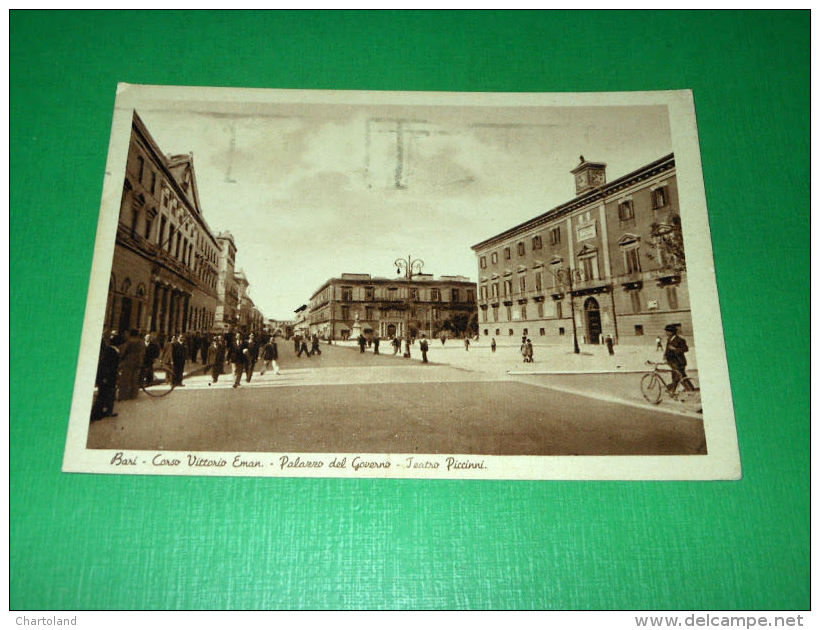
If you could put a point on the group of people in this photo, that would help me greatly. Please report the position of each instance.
(307, 344)
(128, 362)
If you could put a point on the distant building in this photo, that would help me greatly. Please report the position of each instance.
(227, 311)
(282, 326)
(612, 254)
(388, 307)
(164, 272)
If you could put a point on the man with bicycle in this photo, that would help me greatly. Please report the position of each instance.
(675, 357)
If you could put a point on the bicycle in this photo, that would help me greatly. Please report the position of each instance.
(653, 385)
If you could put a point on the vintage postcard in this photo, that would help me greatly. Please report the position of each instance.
(388, 284)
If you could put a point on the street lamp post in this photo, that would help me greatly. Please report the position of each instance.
(564, 277)
(411, 268)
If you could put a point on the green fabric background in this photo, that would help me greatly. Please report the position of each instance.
(104, 541)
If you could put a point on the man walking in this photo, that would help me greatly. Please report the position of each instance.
(216, 359)
(253, 355)
(178, 355)
(467, 344)
(396, 345)
(269, 355)
(423, 347)
(132, 355)
(106, 381)
(362, 343)
(239, 358)
(314, 345)
(609, 343)
(376, 341)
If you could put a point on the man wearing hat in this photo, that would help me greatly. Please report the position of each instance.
(675, 356)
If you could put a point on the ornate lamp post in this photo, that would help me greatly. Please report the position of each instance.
(411, 268)
(565, 277)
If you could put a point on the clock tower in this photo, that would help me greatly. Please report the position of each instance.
(588, 175)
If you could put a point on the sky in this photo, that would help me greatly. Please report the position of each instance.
(311, 191)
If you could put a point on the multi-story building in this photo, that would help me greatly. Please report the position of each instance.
(164, 272)
(282, 327)
(227, 312)
(387, 307)
(612, 256)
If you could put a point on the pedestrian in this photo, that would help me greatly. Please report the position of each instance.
(528, 345)
(443, 338)
(492, 344)
(314, 345)
(151, 355)
(106, 381)
(303, 347)
(297, 344)
(166, 359)
(467, 344)
(675, 357)
(658, 344)
(524, 350)
(239, 358)
(407, 347)
(132, 355)
(216, 359)
(376, 341)
(204, 347)
(362, 342)
(609, 343)
(269, 355)
(423, 347)
(396, 345)
(178, 357)
(253, 355)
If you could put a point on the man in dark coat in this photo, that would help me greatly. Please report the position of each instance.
(362, 343)
(106, 381)
(253, 355)
(216, 358)
(179, 353)
(314, 345)
(132, 356)
(423, 347)
(675, 357)
(376, 341)
(269, 355)
(239, 358)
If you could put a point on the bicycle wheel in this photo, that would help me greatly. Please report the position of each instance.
(159, 387)
(652, 388)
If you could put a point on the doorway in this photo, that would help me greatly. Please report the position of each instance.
(125, 315)
(593, 316)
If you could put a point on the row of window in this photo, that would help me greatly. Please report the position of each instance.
(393, 293)
(370, 314)
(626, 212)
(635, 297)
(542, 332)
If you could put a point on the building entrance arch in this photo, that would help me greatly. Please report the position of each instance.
(391, 331)
(593, 320)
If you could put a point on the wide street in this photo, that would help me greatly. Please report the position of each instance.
(345, 401)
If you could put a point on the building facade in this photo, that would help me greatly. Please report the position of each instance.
(612, 257)
(227, 312)
(164, 271)
(352, 303)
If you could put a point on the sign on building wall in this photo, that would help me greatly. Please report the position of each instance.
(587, 231)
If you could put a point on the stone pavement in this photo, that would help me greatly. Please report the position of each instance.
(593, 373)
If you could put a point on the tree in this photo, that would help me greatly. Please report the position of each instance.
(666, 244)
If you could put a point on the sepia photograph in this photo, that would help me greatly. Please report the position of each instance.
(498, 286)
